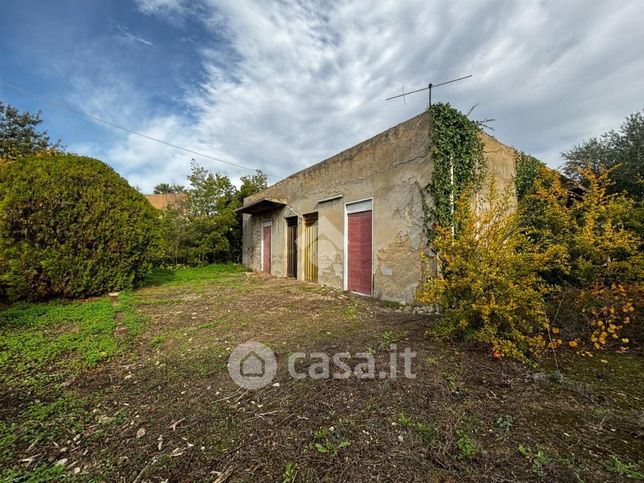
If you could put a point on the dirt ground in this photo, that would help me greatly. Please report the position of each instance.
(166, 409)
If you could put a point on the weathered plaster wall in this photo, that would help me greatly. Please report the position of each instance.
(330, 243)
(388, 168)
(500, 161)
(251, 239)
(501, 171)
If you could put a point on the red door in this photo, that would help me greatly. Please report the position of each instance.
(266, 250)
(359, 248)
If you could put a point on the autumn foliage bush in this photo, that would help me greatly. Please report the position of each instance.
(600, 276)
(488, 285)
(71, 227)
(505, 273)
(589, 227)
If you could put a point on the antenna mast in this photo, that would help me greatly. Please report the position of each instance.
(429, 88)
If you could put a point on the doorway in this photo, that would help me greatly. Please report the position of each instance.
(291, 247)
(359, 247)
(266, 247)
(311, 247)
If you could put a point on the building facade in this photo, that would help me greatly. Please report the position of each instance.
(355, 221)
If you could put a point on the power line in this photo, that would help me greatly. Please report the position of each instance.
(131, 131)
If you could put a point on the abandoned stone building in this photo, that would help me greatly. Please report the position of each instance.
(355, 221)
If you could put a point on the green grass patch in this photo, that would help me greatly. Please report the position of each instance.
(182, 275)
(41, 425)
(48, 342)
(40, 474)
(425, 431)
(537, 457)
(158, 340)
(628, 470)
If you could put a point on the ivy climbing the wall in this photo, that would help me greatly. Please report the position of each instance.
(458, 164)
(528, 170)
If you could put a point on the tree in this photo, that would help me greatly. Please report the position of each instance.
(71, 227)
(622, 150)
(19, 134)
(210, 193)
(205, 227)
(252, 184)
(167, 188)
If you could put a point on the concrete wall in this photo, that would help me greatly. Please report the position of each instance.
(499, 159)
(389, 169)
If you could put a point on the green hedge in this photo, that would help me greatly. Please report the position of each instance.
(71, 227)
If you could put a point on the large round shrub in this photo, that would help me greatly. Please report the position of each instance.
(71, 227)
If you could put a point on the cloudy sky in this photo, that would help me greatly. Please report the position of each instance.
(282, 85)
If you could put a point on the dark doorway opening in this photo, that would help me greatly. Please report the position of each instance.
(291, 247)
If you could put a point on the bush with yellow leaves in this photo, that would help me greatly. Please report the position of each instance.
(500, 270)
(587, 227)
(600, 270)
(489, 288)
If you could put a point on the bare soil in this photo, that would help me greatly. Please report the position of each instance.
(167, 410)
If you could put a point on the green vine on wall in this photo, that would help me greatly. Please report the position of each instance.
(455, 145)
(528, 169)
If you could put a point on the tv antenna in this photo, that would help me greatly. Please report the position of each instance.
(429, 88)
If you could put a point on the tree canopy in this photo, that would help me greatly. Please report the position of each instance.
(204, 227)
(620, 151)
(19, 134)
(167, 188)
(71, 227)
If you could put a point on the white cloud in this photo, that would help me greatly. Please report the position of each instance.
(308, 79)
(144, 162)
(161, 6)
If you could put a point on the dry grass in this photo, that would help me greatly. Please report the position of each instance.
(464, 417)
